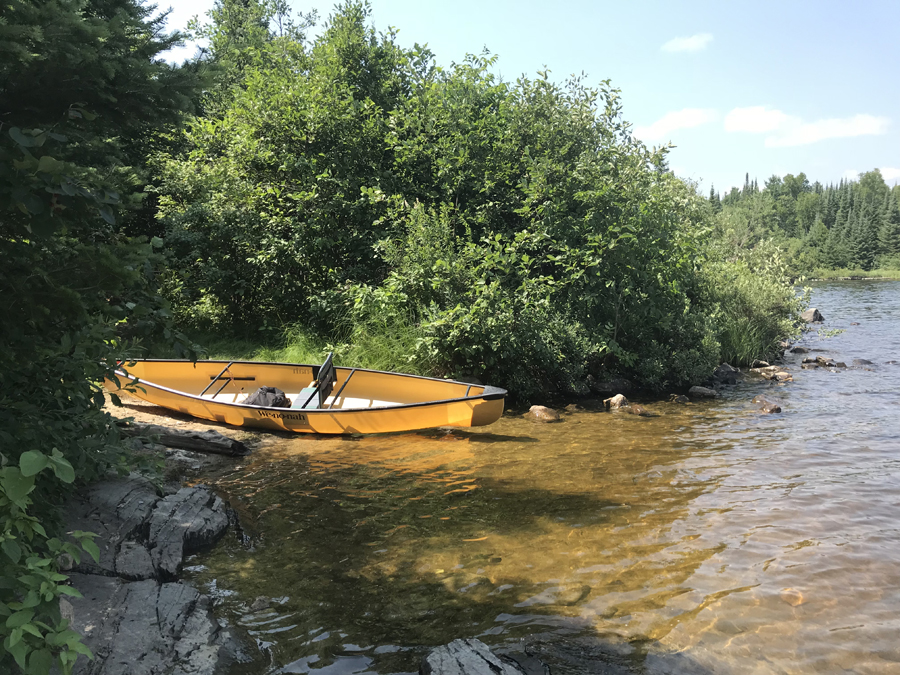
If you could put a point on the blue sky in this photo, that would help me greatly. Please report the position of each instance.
(761, 88)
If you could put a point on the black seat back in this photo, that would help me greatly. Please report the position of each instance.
(326, 380)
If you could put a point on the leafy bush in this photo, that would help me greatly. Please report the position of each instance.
(753, 304)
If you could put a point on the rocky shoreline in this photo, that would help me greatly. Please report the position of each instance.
(136, 615)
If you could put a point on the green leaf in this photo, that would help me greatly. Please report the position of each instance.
(92, 549)
(40, 662)
(16, 485)
(107, 215)
(12, 549)
(25, 141)
(63, 469)
(32, 462)
(69, 590)
(49, 164)
(18, 651)
(157, 242)
(20, 618)
(32, 629)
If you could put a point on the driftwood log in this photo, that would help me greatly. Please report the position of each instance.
(200, 441)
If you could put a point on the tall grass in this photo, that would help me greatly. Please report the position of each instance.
(754, 307)
(388, 344)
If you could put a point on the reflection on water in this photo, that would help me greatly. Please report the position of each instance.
(709, 538)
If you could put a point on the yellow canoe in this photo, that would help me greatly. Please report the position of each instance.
(325, 399)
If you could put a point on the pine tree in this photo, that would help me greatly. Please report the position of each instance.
(889, 232)
(714, 200)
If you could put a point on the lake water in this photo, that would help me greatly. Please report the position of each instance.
(709, 538)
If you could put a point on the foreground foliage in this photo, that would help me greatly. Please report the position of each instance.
(81, 93)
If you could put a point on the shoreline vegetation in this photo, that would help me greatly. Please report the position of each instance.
(344, 193)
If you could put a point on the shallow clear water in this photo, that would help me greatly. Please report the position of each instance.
(708, 538)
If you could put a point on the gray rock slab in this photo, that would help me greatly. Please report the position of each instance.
(146, 628)
(115, 510)
(701, 392)
(467, 657)
(133, 562)
(184, 523)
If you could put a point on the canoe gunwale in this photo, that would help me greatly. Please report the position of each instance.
(489, 394)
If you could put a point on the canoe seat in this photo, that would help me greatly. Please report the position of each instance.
(305, 395)
(317, 392)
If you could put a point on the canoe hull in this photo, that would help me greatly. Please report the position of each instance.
(461, 405)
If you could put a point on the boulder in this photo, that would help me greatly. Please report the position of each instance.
(541, 413)
(469, 657)
(181, 524)
(679, 398)
(701, 392)
(799, 350)
(782, 376)
(839, 364)
(760, 364)
(636, 409)
(812, 315)
(726, 374)
(615, 402)
(809, 366)
(863, 362)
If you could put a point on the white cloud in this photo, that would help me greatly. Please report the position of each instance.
(672, 121)
(695, 43)
(804, 133)
(788, 130)
(757, 119)
(890, 174)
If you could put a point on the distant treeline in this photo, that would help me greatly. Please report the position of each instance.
(852, 225)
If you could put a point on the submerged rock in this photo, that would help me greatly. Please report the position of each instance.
(679, 398)
(783, 377)
(615, 402)
(791, 596)
(800, 350)
(636, 409)
(541, 413)
(702, 392)
(470, 657)
(812, 315)
(766, 405)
